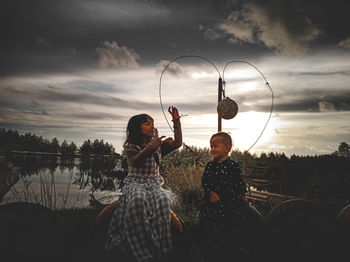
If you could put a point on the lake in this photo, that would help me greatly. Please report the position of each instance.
(58, 182)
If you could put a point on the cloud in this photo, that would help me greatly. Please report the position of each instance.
(173, 68)
(209, 33)
(94, 86)
(41, 111)
(345, 43)
(34, 112)
(277, 24)
(42, 41)
(36, 103)
(326, 107)
(114, 56)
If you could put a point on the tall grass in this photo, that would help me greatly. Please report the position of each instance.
(44, 193)
(186, 186)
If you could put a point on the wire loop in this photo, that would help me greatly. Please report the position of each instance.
(223, 90)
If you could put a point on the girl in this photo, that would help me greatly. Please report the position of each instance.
(141, 223)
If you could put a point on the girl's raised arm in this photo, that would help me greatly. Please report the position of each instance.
(171, 144)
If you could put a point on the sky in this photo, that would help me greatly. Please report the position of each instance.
(78, 70)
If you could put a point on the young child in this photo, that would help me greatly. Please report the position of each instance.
(140, 224)
(224, 190)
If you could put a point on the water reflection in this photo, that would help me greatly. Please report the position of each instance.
(58, 182)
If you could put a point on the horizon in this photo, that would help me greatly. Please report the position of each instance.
(181, 148)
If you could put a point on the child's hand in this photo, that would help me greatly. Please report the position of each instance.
(214, 197)
(174, 112)
(245, 200)
(155, 142)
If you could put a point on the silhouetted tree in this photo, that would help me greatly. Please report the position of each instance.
(55, 146)
(343, 150)
(86, 148)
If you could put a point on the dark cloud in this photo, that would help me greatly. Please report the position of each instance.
(111, 55)
(328, 73)
(171, 68)
(64, 96)
(280, 25)
(62, 36)
(93, 86)
(326, 106)
(315, 102)
(345, 43)
(35, 103)
(36, 112)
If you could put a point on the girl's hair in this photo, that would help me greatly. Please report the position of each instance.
(133, 130)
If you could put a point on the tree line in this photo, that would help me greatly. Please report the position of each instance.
(321, 177)
(12, 140)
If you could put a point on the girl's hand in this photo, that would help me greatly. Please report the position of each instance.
(214, 197)
(173, 112)
(156, 142)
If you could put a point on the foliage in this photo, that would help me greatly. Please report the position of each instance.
(343, 150)
(68, 149)
(98, 147)
(324, 177)
(186, 186)
(13, 141)
(186, 157)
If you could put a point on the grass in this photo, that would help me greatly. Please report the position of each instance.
(185, 184)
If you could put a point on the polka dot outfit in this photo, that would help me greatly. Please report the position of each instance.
(226, 180)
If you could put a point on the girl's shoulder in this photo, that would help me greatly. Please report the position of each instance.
(131, 147)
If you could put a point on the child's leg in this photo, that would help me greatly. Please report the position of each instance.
(137, 226)
(160, 222)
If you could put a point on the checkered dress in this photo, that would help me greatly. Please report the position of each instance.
(141, 222)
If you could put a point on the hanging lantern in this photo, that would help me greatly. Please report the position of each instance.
(227, 108)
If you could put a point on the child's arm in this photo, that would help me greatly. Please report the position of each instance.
(171, 144)
(137, 157)
(177, 133)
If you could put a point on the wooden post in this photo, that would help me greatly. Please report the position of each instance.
(219, 99)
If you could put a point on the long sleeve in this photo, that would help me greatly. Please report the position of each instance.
(177, 134)
(170, 145)
(224, 179)
(233, 186)
(209, 181)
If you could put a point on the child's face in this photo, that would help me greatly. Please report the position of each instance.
(147, 128)
(218, 149)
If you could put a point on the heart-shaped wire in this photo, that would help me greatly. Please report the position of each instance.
(224, 84)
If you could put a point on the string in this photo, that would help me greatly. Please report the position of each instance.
(224, 88)
(165, 68)
(266, 83)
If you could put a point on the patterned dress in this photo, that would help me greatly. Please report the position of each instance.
(226, 180)
(141, 222)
